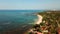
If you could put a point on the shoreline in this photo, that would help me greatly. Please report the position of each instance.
(39, 19)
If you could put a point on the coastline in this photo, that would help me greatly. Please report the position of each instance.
(36, 22)
(39, 19)
(49, 25)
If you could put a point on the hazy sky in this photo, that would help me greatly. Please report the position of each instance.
(30, 4)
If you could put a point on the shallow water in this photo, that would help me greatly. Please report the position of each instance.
(13, 19)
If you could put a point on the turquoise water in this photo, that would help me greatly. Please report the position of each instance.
(11, 19)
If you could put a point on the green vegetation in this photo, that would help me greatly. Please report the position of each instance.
(50, 22)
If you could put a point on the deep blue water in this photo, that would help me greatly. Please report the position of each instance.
(10, 19)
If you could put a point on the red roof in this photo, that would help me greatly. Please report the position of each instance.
(39, 33)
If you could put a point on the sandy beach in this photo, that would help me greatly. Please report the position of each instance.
(39, 19)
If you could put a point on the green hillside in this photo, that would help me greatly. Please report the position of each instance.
(50, 22)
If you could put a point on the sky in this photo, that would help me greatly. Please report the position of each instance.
(30, 4)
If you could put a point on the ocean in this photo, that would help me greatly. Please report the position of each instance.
(14, 19)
